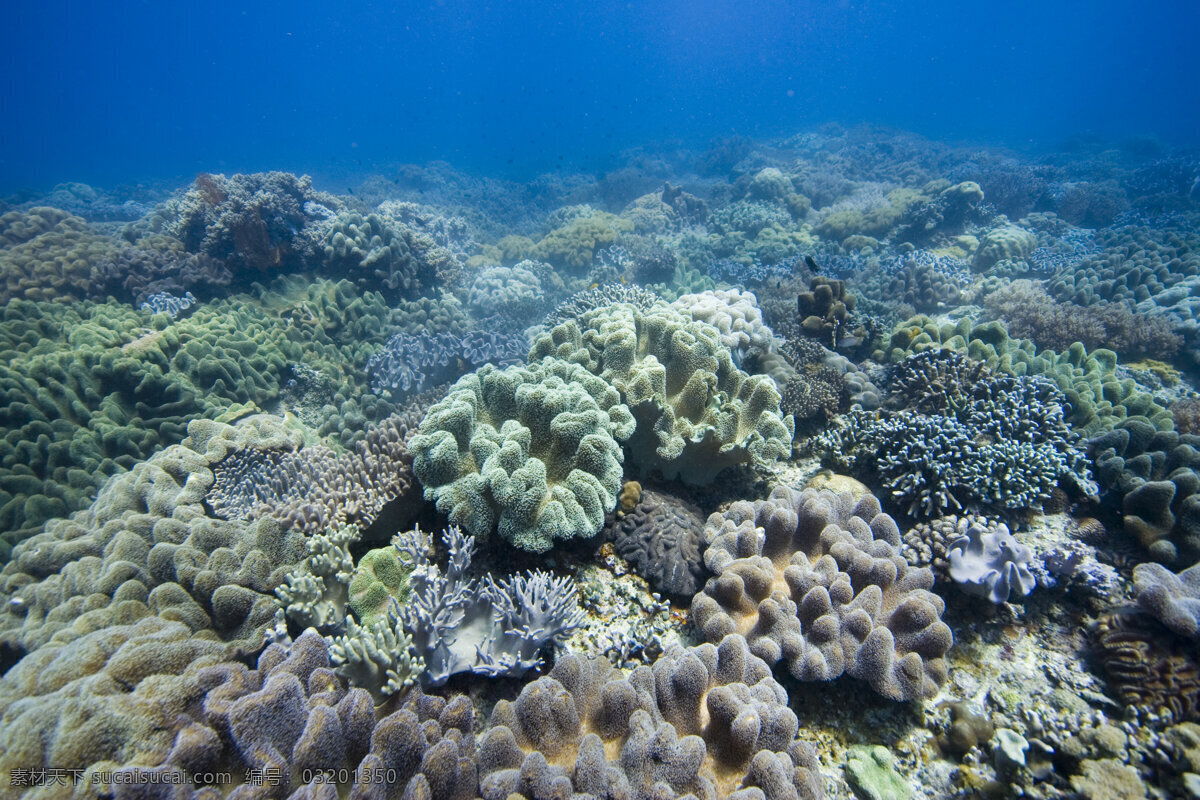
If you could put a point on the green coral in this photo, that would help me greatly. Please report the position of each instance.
(1008, 243)
(380, 576)
(1099, 399)
(90, 389)
(574, 245)
(316, 594)
(871, 773)
(378, 656)
(528, 451)
(47, 254)
(696, 412)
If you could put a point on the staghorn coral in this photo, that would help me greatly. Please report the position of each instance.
(696, 412)
(986, 440)
(706, 722)
(813, 579)
(1099, 399)
(530, 452)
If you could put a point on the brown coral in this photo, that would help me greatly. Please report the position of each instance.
(813, 579)
(1148, 667)
(703, 722)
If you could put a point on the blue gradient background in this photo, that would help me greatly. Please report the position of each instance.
(120, 92)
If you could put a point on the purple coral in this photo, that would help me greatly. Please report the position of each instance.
(491, 627)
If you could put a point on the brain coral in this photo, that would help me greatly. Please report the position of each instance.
(529, 451)
(512, 291)
(703, 722)
(663, 538)
(814, 579)
(696, 412)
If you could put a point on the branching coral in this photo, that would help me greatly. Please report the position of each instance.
(491, 626)
(987, 440)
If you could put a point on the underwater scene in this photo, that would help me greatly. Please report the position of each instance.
(541, 403)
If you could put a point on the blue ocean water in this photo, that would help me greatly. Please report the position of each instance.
(106, 93)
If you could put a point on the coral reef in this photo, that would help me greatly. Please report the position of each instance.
(813, 579)
(1173, 599)
(1030, 313)
(1008, 243)
(490, 627)
(511, 291)
(288, 728)
(411, 363)
(1148, 667)
(530, 452)
(696, 413)
(736, 315)
(104, 612)
(382, 253)
(1099, 398)
(706, 722)
(253, 224)
(972, 439)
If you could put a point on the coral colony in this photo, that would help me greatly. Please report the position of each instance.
(844, 463)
